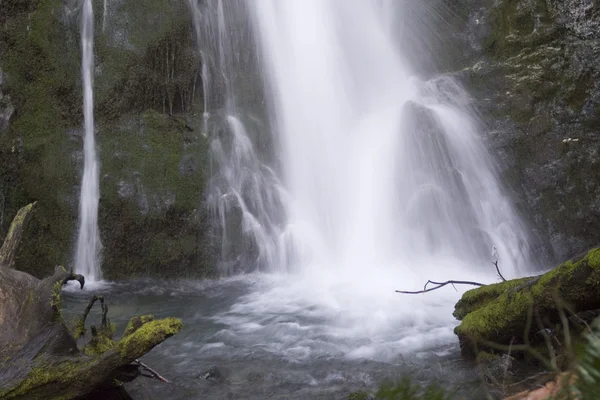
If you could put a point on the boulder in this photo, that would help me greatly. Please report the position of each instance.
(515, 312)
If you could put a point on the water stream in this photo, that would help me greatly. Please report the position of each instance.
(88, 247)
(301, 350)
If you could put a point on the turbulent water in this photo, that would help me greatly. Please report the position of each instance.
(294, 353)
(88, 241)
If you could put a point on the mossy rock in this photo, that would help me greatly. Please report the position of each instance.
(488, 321)
(477, 298)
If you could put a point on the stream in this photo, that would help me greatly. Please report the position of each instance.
(254, 338)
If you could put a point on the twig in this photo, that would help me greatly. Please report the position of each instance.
(153, 373)
(440, 285)
(498, 270)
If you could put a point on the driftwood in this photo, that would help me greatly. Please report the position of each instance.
(39, 356)
(8, 252)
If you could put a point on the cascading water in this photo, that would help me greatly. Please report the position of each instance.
(245, 192)
(379, 179)
(88, 241)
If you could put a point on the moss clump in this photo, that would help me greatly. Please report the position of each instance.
(477, 298)
(78, 327)
(99, 345)
(505, 317)
(149, 334)
(43, 375)
(136, 322)
(56, 300)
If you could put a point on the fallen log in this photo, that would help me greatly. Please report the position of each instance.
(39, 356)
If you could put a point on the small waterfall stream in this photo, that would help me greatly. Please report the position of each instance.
(88, 247)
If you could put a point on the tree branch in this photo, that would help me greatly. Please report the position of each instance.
(440, 285)
(8, 252)
(153, 373)
(498, 270)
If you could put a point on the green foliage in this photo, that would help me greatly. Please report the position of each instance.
(407, 390)
(587, 386)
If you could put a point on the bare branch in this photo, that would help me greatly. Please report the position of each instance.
(153, 373)
(440, 285)
(498, 270)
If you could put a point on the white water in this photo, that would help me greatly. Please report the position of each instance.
(88, 248)
(383, 178)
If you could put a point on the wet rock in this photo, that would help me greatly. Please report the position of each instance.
(535, 75)
(498, 316)
(213, 374)
(495, 368)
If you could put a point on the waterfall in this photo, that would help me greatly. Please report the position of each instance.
(87, 260)
(347, 168)
(373, 165)
(382, 167)
(245, 192)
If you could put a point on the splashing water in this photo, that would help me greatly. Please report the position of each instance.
(88, 248)
(379, 179)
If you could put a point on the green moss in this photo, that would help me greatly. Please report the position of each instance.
(43, 375)
(43, 74)
(149, 334)
(99, 345)
(18, 221)
(65, 373)
(56, 300)
(78, 328)
(477, 298)
(506, 316)
(136, 322)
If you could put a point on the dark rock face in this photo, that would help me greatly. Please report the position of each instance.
(535, 76)
(153, 175)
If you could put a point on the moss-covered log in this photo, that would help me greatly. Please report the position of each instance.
(39, 357)
(500, 314)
